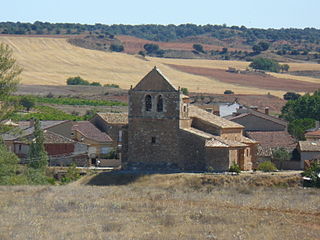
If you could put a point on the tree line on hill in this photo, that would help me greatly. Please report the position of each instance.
(169, 32)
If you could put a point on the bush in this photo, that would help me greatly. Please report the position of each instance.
(112, 85)
(116, 48)
(198, 47)
(27, 102)
(72, 174)
(313, 172)
(235, 168)
(77, 81)
(228, 92)
(95, 84)
(267, 166)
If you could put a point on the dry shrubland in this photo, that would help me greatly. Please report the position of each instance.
(177, 206)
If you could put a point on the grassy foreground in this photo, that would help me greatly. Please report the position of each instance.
(177, 206)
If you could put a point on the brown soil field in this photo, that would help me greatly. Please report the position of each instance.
(162, 207)
(264, 81)
(133, 45)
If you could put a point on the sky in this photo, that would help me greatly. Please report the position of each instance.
(249, 13)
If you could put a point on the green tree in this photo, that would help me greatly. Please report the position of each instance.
(198, 48)
(185, 91)
(9, 167)
(291, 96)
(9, 80)
(116, 48)
(281, 155)
(284, 67)
(306, 106)
(298, 127)
(27, 102)
(77, 81)
(37, 157)
(265, 64)
(151, 48)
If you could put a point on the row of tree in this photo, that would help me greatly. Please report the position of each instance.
(169, 32)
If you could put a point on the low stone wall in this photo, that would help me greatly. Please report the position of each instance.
(109, 162)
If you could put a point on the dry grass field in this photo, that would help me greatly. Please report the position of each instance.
(177, 206)
(50, 61)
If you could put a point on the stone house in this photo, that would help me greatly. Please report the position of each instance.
(309, 150)
(56, 145)
(253, 120)
(164, 129)
(100, 144)
(313, 134)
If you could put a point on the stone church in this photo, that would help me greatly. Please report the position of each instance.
(164, 129)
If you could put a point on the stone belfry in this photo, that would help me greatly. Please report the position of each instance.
(154, 119)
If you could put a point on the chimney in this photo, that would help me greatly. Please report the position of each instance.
(266, 110)
(317, 124)
(31, 122)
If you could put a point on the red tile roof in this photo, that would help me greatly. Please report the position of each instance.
(88, 130)
(272, 140)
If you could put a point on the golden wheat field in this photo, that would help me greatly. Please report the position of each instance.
(50, 61)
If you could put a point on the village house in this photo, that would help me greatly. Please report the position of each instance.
(61, 149)
(163, 129)
(215, 106)
(271, 134)
(100, 144)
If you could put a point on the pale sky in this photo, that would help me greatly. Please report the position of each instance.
(250, 13)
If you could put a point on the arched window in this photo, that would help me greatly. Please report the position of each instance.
(159, 104)
(148, 103)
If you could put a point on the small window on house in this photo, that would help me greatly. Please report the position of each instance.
(148, 103)
(159, 104)
(20, 147)
(153, 140)
(184, 108)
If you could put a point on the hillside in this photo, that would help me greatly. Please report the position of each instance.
(163, 206)
(50, 61)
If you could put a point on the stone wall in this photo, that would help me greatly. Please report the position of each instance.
(218, 158)
(191, 151)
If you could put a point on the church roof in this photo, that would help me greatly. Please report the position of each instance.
(114, 118)
(155, 81)
(195, 112)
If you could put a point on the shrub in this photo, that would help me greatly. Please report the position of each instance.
(27, 102)
(112, 85)
(116, 48)
(228, 92)
(95, 84)
(267, 166)
(235, 168)
(72, 174)
(77, 81)
(198, 47)
(313, 172)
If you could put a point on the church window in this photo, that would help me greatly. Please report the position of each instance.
(148, 103)
(159, 104)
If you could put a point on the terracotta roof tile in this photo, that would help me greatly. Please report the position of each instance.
(272, 140)
(88, 130)
(116, 118)
(309, 146)
(195, 112)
